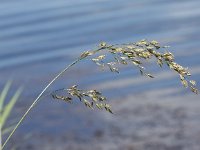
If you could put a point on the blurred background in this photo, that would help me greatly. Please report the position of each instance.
(39, 38)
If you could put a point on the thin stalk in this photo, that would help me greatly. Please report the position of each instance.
(38, 99)
(0, 138)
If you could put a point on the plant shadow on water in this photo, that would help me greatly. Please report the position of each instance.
(36, 41)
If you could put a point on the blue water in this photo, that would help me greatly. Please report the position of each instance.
(32, 32)
(38, 38)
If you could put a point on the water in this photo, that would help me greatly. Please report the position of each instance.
(32, 32)
(38, 38)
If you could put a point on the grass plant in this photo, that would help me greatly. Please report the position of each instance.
(5, 109)
(111, 57)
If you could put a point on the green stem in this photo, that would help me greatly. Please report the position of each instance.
(0, 137)
(37, 100)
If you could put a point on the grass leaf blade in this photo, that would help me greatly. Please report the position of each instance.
(3, 94)
(9, 106)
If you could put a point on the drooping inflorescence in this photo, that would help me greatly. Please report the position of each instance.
(124, 54)
(139, 52)
(90, 98)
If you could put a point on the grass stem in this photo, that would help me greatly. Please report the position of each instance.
(37, 100)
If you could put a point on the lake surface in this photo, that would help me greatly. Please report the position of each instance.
(39, 38)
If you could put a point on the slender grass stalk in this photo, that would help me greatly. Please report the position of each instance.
(38, 99)
(0, 138)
